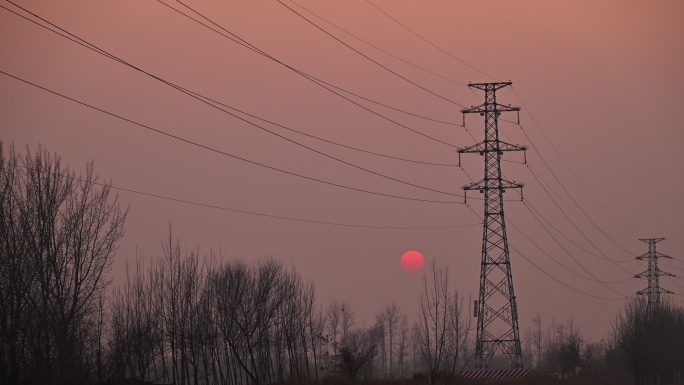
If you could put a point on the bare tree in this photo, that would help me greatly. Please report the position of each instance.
(570, 348)
(390, 319)
(440, 333)
(651, 340)
(333, 325)
(538, 335)
(348, 321)
(357, 353)
(59, 234)
(403, 346)
(459, 326)
(133, 333)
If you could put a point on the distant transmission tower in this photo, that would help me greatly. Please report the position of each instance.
(653, 274)
(496, 309)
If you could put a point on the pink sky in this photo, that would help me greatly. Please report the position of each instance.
(602, 80)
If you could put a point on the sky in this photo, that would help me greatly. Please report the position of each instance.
(599, 83)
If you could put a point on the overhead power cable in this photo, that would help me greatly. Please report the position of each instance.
(583, 212)
(325, 85)
(570, 195)
(605, 257)
(591, 277)
(588, 296)
(323, 139)
(536, 123)
(205, 147)
(376, 47)
(259, 214)
(202, 99)
(429, 42)
(182, 89)
(571, 208)
(536, 213)
(674, 267)
(548, 189)
(369, 58)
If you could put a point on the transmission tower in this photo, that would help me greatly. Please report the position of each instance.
(496, 309)
(653, 274)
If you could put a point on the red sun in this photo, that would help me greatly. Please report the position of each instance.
(412, 261)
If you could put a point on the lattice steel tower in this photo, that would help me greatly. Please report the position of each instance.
(497, 315)
(653, 274)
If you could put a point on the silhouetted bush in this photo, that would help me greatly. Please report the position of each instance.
(650, 340)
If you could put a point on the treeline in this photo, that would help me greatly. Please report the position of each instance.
(645, 340)
(649, 340)
(193, 318)
(184, 318)
(188, 319)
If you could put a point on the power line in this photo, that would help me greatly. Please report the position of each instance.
(584, 216)
(325, 85)
(593, 277)
(536, 213)
(378, 48)
(605, 257)
(223, 152)
(568, 166)
(245, 44)
(675, 241)
(546, 185)
(570, 207)
(577, 291)
(570, 195)
(542, 184)
(254, 213)
(591, 297)
(565, 284)
(182, 89)
(326, 140)
(369, 58)
(429, 42)
(204, 99)
(555, 149)
(675, 267)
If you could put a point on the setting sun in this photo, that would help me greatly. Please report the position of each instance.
(412, 261)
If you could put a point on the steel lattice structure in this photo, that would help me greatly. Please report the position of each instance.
(653, 274)
(496, 309)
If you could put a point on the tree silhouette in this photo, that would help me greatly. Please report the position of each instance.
(58, 234)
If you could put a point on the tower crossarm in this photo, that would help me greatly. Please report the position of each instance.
(659, 291)
(660, 255)
(493, 86)
(654, 273)
(489, 184)
(482, 148)
(665, 274)
(642, 274)
(490, 107)
(655, 254)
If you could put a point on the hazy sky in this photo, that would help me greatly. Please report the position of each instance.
(600, 83)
